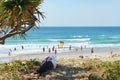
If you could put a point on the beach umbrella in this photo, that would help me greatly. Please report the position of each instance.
(61, 43)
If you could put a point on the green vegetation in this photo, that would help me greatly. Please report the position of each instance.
(18, 16)
(105, 70)
(112, 71)
(67, 69)
(14, 70)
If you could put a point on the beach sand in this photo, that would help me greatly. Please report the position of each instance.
(61, 53)
(71, 64)
(76, 68)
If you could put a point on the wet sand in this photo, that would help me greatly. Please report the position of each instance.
(63, 53)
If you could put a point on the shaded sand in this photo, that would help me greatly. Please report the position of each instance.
(76, 68)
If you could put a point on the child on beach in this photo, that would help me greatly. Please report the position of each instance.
(47, 64)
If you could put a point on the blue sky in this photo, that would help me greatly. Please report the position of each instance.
(81, 12)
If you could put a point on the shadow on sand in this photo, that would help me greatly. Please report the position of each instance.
(67, 73)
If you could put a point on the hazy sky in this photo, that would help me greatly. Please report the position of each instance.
(81, 12)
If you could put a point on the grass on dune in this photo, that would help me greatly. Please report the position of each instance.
(67, 69)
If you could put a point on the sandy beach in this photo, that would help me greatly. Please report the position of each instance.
(36, 51)
(74, 64)
(69, 68)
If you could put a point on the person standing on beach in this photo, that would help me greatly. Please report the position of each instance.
(49, 50)
(70, 47)
(22, 47)
(55, 52)
(43, 49)
(14, 49)
(92, 50)
(58, 46)
(9, 54)
(10, 50)
(53, 48)
(111, 52)
(81, 48)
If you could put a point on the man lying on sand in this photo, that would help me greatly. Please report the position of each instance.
(48, 63)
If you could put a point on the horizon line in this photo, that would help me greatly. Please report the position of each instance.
(79, 26)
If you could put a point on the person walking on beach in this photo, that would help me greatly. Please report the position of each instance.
(9, 53)
(81, 48)
(55, 52)
(58, 46)
(49, 50)
(22, 47)
(70, 47)
(53, 48)
(47, 64)
(111, 52)
(10, 50)
(92, 50)
(43, 49)
(14, 49)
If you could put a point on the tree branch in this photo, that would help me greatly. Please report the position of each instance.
(14, 32)
(2, 31)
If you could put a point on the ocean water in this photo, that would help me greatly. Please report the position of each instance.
(36, 39)
(76, 36)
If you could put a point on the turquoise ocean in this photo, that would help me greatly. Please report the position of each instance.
(106, 38)
(36, 39)
(76, 36)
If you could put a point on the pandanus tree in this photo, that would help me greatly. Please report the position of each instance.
(18, 16)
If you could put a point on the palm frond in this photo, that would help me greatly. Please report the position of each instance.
(18, 13)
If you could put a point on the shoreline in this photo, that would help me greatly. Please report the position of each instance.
(61, 53)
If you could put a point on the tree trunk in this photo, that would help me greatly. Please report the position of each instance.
(2, 41)
(14, 32)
